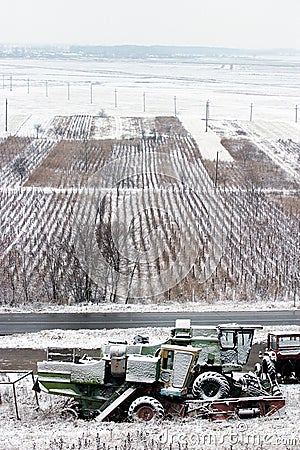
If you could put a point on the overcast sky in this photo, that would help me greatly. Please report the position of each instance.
(224, 23)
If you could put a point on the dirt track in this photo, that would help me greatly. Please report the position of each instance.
(20, 358)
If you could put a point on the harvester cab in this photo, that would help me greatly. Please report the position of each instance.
(236, 343)
(227, 345)
(177, 366)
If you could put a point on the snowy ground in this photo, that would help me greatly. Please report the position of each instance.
(44, 429)
(37, 90)
(250, 303)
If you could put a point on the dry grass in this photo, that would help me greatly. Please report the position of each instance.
(11, 147)
(70, 163)
(251, 168)
(289, 203)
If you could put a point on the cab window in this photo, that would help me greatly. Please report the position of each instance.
(273, 345)
(227, 339)
(244, 338)
(167, 361)
(289, 341)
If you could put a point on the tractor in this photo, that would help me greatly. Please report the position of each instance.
(281, 358)
(196, 370)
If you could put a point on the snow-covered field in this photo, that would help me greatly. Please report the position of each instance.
(44, 429)
(36, 91)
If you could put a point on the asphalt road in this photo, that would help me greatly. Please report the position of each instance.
(21, 359)
(31, 322)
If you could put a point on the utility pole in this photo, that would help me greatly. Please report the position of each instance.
(144, 101)
(68, 91)
(10, 83)
(251, 111)
(28, 86)
(46, 88)
(296, 114)
(91, 93)
(175, 106)
(206, 115)
(116, 98)
(6, 105)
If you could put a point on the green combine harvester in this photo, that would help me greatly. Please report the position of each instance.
(197, 371)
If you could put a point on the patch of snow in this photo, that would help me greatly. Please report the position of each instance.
(188, 305)
(208, 142)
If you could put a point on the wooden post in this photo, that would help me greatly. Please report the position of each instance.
(6, 107)
(206, 115)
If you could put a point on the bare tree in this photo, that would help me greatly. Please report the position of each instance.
(38, 128)
(58, 131)
(110, 253)
(102, 113)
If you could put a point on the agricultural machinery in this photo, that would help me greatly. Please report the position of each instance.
(196, 371)
(281, 358)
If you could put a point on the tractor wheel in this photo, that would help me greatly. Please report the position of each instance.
(69, 414)
(146, 409)
(210, 386)
(269, 367)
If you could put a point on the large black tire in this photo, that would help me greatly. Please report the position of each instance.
(210, 386)
(146, 409)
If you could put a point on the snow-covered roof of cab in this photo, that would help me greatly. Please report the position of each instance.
(236, 326)
(285, 333)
